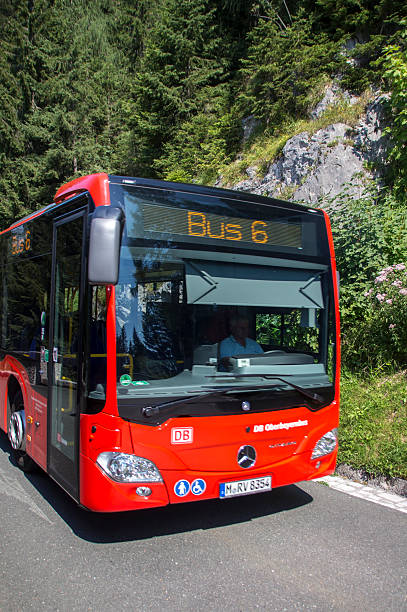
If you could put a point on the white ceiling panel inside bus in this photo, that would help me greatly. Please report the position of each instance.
(210, 282)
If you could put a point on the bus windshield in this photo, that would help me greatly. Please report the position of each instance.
(187, 321)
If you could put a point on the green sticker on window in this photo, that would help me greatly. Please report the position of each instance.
(125, 380)
(140, 382)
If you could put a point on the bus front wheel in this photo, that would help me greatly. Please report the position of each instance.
(16, 432)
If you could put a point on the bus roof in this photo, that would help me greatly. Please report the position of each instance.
(205, 190)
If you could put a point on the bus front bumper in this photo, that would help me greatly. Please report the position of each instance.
(99, 493)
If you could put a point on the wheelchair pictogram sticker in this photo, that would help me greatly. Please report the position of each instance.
(198, 486)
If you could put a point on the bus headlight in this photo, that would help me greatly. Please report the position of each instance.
(326, 444)
(122, 467)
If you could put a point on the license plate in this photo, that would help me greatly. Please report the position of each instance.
(245, 487)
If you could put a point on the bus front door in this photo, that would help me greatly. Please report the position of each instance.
(64, 364)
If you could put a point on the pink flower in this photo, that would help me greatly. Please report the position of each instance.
(392, 326)
(389, 301)
(397, 283)
(400, 267)
(381, 296)
(403, 291)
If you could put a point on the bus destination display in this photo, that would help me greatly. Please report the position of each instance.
(20, 240)
(167, 221)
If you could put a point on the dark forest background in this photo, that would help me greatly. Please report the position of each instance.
(160, 87)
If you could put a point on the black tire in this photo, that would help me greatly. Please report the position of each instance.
(23, 461)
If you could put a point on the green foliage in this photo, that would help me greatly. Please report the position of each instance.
(367, 27)
(199, 149)
(380, 338)
(373, 425)
(76, 122)
(360, 249)
(15, 76)
(160, 88)
(395, 65)
(296, 46)
(370, 234)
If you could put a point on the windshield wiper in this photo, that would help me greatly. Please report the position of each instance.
(315, 397)
(151, 411)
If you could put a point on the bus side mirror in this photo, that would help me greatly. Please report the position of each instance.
(104, 245)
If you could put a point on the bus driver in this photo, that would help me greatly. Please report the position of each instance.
(238, 342)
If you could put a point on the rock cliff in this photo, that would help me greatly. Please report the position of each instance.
(314, 166)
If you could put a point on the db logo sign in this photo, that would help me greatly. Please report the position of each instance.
(182, 435)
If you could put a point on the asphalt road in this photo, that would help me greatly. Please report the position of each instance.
(301, 547)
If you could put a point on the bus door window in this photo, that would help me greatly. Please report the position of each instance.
(64, 356)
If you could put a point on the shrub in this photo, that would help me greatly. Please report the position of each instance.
(370, 236)
(385, 330)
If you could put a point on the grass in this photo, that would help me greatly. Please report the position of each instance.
(262, 149)
(373, 426)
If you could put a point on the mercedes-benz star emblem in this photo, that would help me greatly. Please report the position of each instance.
(246, 406)
(246, 456)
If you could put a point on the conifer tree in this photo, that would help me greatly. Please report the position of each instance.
(81, 89)
(285, 61)
(183, 80)
(71, 74)
(16, 78)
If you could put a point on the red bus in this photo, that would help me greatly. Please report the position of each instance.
(164, 342)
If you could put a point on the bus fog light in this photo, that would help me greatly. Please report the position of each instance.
(326, 444)
(143, 491)
(122, 467)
